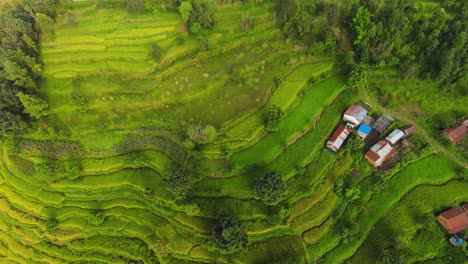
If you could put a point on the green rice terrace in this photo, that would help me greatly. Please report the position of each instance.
(209, 131)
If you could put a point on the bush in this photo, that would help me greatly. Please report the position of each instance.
(274, 118)
(156, 53)
(51, 223)
(96, 219)
(136, 6)
(270, 187)
(229, 235)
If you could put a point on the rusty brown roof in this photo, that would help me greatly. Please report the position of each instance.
(456, 220)
(457, 134)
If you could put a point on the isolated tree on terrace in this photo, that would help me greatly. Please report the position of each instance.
(229, 235)
(179, 182)
(201, 134)
(270, 187)
(274, 118)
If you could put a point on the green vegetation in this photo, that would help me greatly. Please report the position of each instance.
(144, 131)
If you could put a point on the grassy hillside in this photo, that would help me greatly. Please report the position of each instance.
(88, 183)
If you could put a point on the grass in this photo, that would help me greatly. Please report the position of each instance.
(130, 132)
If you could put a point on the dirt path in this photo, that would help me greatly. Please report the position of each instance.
(419, 129)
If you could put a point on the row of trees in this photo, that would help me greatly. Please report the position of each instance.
(20, 64)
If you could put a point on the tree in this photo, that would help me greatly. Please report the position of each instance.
(136, 6)
(364, 29)
(11, 123)
(179, 182)
(229, 235)
(270, 187)
(34, 106)
(156, 52)
(201, 134)
(274, 118)
(44, 23)
(185, 9)
(359, 77)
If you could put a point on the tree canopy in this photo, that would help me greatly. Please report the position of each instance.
(270, 187)
(229, 235)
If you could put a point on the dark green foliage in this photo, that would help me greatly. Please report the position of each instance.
(156, 52)
(229, 235)
(136, 6)
(79, 100)
(274, 118)
(44, 23)
(388, 257)
(309, 22)
(34, 106)
(359, 77)
(198, 14)
(20, 66)
(45, 170)
(179, 182)
(11, 123)
(364, 29)
(51, 223)
(270, 187)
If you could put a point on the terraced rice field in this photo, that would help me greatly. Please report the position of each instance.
(130, 133)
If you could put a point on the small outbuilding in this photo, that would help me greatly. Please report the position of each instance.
(456, 134)
(455, 220)
(408, 130)
(379, 153)
(395, 136)
(338, 138)
(364, 130)
(354, 115)
(382, 123)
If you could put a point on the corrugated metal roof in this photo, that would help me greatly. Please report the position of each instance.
(396, 135)
(355, 114)
(338, 138)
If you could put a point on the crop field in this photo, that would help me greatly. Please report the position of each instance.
(122, 118)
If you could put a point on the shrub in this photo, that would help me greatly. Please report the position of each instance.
(156, 52)
(96, 219)
(229, 235)
(136, 6)
(51, 223)
(44, 170)
(247, 23)
(274, 118)
(270, 187)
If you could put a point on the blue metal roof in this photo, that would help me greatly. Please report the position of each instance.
(364, 129)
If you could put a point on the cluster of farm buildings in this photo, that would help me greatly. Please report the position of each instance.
(355, 117)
